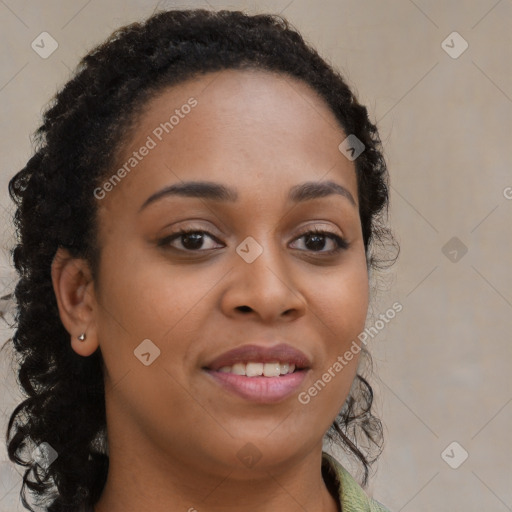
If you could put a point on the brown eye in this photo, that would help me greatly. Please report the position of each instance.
(191, 240)
(315, 240)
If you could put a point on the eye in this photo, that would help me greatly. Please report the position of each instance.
(315, 241)
(190, 240)
(194, 239)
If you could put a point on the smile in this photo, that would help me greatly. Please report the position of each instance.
(253, 369)
(260, 389)
(260, 374)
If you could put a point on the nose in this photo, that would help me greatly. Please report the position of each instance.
(266, 289)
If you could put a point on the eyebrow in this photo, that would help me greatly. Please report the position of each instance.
(217, 192)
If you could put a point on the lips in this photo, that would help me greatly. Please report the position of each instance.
(282, 353)
(251, 372)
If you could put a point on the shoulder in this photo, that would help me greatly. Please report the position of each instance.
(352, 496)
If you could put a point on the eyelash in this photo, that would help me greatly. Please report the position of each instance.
(340, 242)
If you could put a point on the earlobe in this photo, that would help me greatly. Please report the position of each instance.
(74, 290)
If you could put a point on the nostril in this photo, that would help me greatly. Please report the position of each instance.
(244, 309)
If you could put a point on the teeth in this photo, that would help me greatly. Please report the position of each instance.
(238, 369)
(252, 369)
(271, 370)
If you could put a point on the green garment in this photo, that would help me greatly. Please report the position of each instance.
(352, 497)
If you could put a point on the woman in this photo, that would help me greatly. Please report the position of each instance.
(196, 232)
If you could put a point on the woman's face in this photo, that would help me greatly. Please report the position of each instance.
(179, 317)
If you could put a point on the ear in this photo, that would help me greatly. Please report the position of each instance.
(74, 290)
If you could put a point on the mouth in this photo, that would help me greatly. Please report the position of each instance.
(258, 369)
(260, 374)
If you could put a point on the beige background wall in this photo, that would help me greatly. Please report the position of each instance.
(444, 364)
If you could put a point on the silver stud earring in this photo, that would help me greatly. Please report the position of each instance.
(82, 336)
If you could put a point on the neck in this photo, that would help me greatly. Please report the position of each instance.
(143, 479)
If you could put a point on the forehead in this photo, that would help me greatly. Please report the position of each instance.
(235, 126)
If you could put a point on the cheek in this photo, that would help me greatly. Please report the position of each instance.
(341, 305)
(149, 301)
(152, 300)
(341, 300)
(149, 297)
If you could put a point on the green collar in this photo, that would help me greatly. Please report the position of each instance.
(352, 497)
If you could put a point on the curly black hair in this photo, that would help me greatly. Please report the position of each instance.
(83, 128)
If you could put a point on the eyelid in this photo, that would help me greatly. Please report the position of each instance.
(320, 228)
(338, 239)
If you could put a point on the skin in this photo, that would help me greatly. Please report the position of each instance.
(173, 432)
